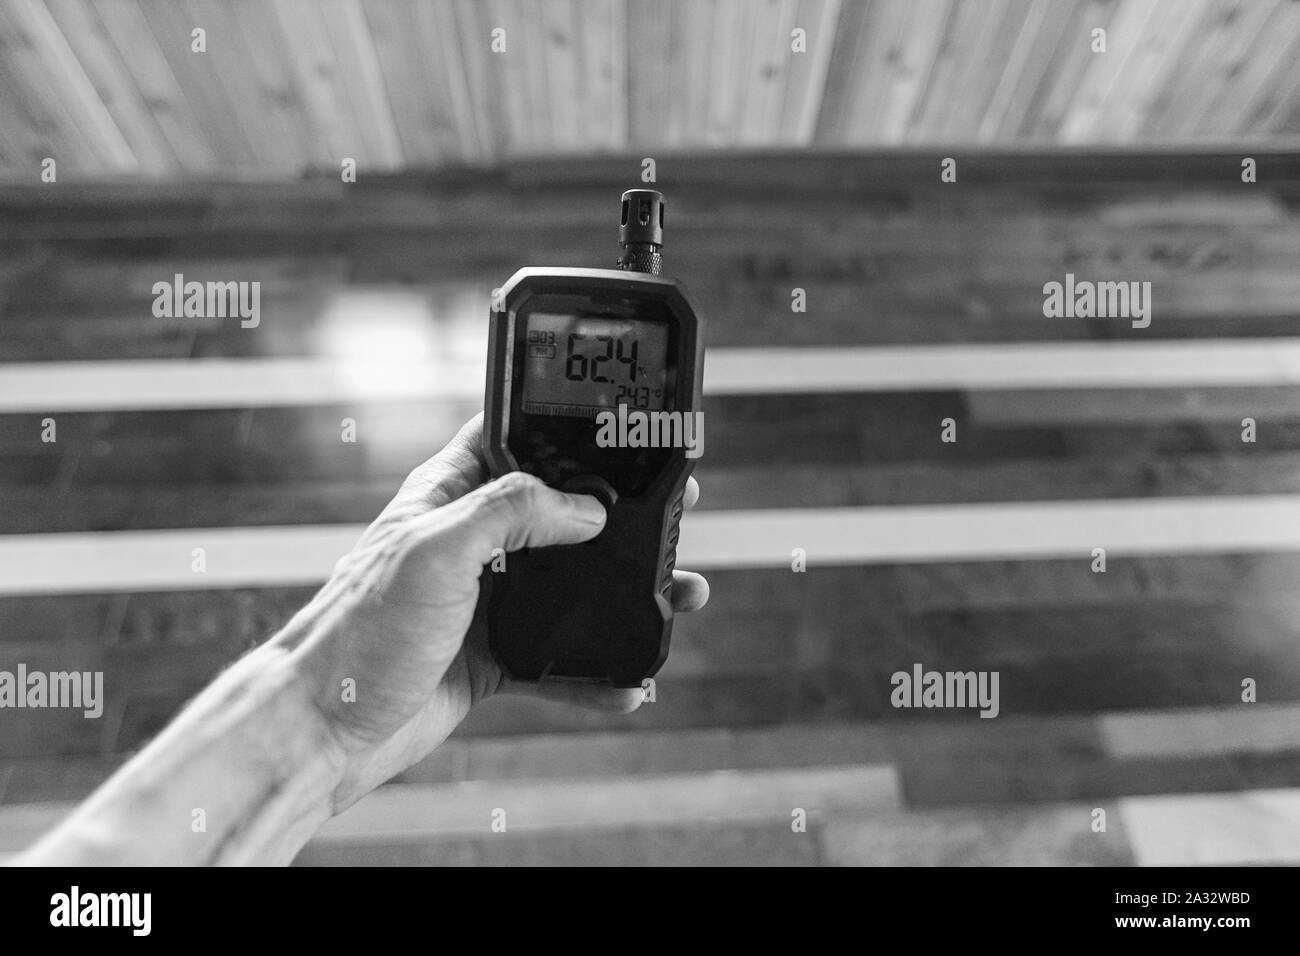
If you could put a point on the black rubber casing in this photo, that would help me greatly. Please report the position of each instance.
(597, 611)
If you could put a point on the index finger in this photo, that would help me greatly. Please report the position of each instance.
(453, 472)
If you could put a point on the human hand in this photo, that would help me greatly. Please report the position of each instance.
(398, 616)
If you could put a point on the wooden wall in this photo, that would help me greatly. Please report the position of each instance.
(113, 87)
(783, 673)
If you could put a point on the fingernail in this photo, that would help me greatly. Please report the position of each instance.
(589, 509)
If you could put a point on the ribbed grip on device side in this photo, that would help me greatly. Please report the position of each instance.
(670, 553)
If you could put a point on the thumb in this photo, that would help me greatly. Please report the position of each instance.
(519, 510)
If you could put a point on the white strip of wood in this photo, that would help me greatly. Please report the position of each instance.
(1202, 732)
(47, 387)
(1214, 829)
(272, 556)
(1056, 529)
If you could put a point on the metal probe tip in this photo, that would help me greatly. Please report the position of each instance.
(641, 231)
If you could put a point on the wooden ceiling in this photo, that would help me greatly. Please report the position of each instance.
(112, 88)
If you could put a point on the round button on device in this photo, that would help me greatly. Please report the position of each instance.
(593, 485)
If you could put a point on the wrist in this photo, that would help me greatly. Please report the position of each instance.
(314, 646)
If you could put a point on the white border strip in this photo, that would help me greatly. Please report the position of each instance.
(262, 382)
(305, 554)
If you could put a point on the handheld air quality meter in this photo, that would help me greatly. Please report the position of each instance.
(568, 351)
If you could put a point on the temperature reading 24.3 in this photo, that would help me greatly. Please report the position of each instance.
(609, 360)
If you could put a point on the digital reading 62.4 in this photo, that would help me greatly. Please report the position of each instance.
(580, 366)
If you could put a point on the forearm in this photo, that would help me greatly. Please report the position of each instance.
(244, 775)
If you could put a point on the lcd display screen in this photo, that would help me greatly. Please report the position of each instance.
(579, 366)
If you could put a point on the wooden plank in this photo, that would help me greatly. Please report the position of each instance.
(80, 25)
(1122, 112)
(815, 452)
(870, 447)
(229, 70)
(1261, 728)
(141, 55)
(724, 91)
(135, 625)
(882, 32)
(1032, 55)
(801, 95)
(1031, 643)
(1077, 365)
(822, 484)
(1072, 180)
(1278, 95)
(25, 145)
(744, 299)
(556, 54)
(1139, 631)
(486, 90)
(712, 844)
(1278, 114)
(1222, 829)
(146, 686)
(735, 94)
(953, 112)
(592, 755)
(602, 46)
(1055, 757)
(243, 383)
(923, 284)
(1017, 836)
(271, 84)
(966, 31)
(1073, 63)
(334, 129)
(67, 78)
(647, 28)
(760, 622)
(767, 59)
(291, 555)
(256, 382)
(688, 39)
(409, 811)
(984, 59)
(509, 74)
(1057, 529)
(1250, 828)
(1015, 585)
(363, 80)
(460, 129)
(1125, 406)
(200, 82)
(845, 62)
(536, 98)
(1259, 71)
(37, 101)
(69, 494)
(1206, 65)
